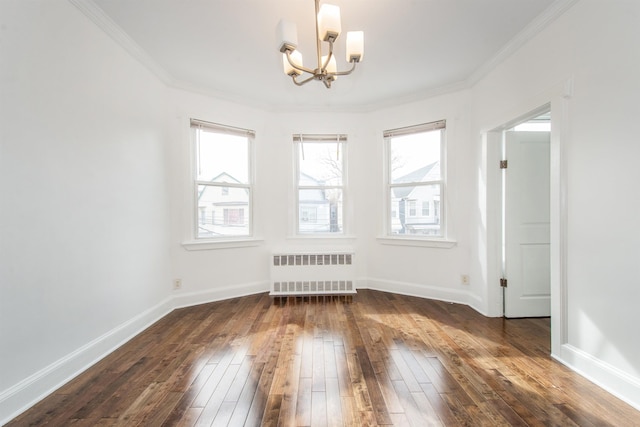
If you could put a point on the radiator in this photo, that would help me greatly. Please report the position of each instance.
(313, 274)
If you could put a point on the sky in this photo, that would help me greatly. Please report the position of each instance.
(220, 153)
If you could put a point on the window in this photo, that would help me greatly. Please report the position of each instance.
(412, 208)
(308, 214)
(234, 217)
(222, 180)
(425, 208)
(320, 183)
(415, 179)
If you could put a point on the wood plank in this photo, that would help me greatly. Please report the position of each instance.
(216, 399)
(303, 405)
(334, 403)
(319, 409)
(246, 398)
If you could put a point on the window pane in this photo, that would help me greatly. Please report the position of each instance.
(221, 157)
(222, 213)
(320, 211)
(415, 157)
(406, 219)
(320, 163)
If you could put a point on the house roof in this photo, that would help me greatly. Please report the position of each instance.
(415, 176)
(221, 176)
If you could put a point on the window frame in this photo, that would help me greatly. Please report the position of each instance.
(388, 237)
(224, 187)
(298, 141)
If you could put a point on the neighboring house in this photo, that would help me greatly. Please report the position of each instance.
(319, 207)
(222, 210)
(416, 209)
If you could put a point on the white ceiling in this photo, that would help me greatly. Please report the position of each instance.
(413, 48)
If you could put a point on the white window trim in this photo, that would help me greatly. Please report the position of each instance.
(205, 245)
(432, 242)
(193, 243)
(314, 138)
(444, 241)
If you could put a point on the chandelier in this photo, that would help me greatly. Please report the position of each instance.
(327, 30)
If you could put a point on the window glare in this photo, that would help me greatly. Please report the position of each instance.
(222, 158)
(410, 153)
(533, 127)
(320, 162)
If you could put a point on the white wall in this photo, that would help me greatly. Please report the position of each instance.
(590, 55)
(83, 215)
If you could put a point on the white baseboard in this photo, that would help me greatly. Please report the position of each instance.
(423, 291)
(417, 290)
(219, 294)
(620, 384)
(28, 392)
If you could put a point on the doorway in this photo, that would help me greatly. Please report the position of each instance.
(557, 100)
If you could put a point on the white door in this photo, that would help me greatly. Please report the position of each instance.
(527, 256)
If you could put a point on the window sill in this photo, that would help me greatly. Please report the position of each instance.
(328, 237)
(424, 243)
(206, 245)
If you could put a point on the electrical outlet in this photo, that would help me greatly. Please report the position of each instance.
(177, 284)
(464, 279)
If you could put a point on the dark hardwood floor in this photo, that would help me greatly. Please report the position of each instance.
(382, 359)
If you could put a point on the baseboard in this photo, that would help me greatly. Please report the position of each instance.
(28, 392)
(195, 298)
(417, 290)
(620, 384)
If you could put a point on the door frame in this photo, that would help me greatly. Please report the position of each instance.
(555, 100)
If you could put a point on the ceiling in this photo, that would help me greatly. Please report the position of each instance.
(413, 48)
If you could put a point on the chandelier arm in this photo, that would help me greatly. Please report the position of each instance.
(307, 80)
(345, 73)
(297, 67)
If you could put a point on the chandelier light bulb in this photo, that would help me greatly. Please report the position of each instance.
(289, 68)
(329, 22)
(355, 46)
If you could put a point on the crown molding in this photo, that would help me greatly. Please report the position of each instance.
(361, 107)
(113, 30)
(542, 21)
